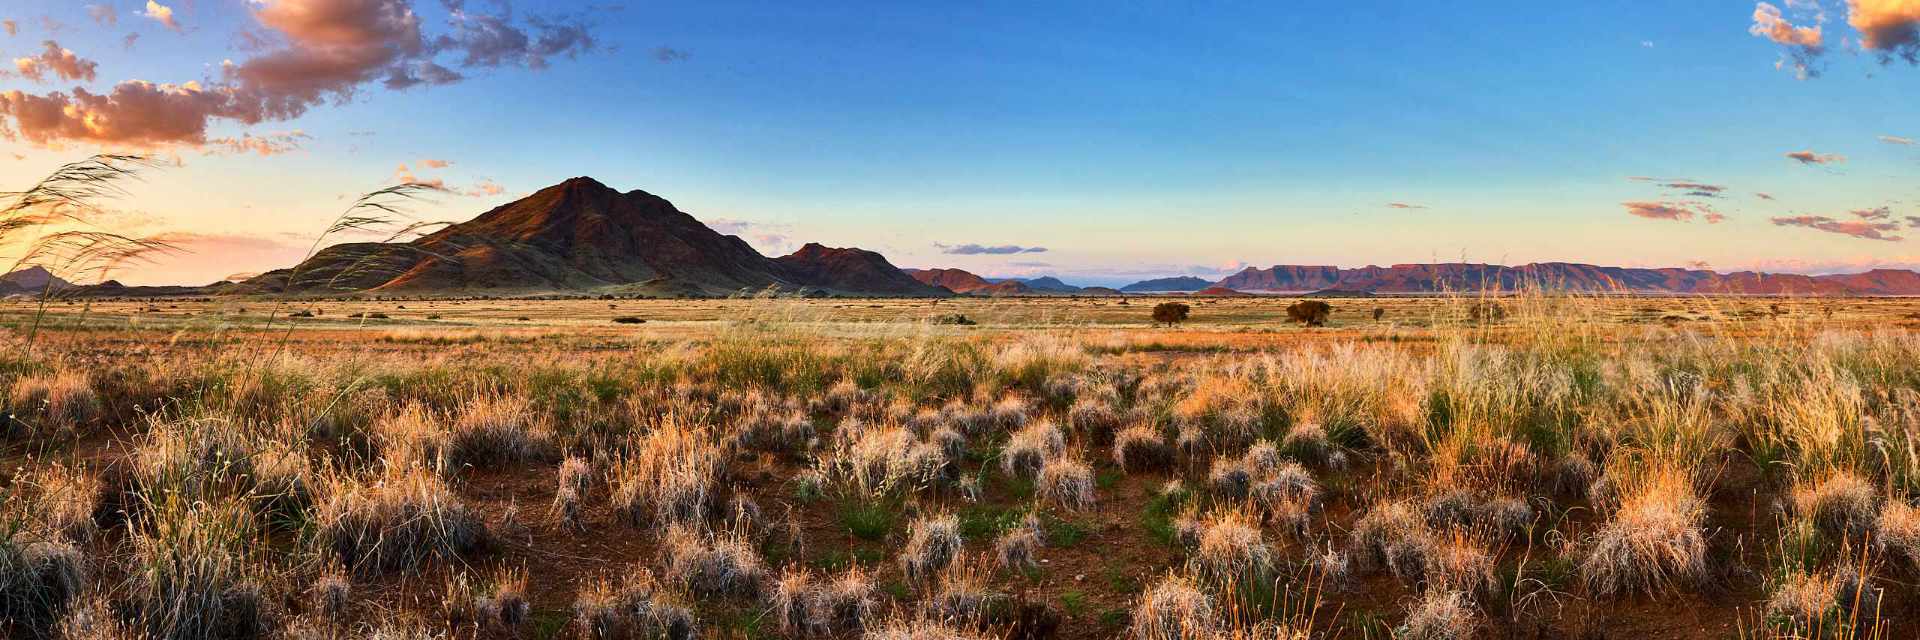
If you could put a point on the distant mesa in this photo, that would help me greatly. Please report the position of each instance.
(1182, 284)
(1339, 293)
(1563, 276)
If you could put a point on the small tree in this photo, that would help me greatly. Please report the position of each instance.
(1171, 313)
(1312, 313)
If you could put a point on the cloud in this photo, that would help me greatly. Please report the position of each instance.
(1876, 213)
(271, 144)
(486, 188)
(162, 14)
(1913, 222)
(436, 164)
(486, 40)
(1714, 217)
(309, 52)
(1693, 188)
(975, 250)
(1404, 205)
(103, 15)
(1862, 229)
(1676, 211)
(61, 62)
(1899, 140)
(11, 27)
(1890, 28)
(669, 54)
(404, 175)
(1809, 157)
(1763, 195)
(1699, 264)
(128, 41)
(1804, 44)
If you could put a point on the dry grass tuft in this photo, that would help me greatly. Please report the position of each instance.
(1029, 448)
(53, 404)
(1141, 447)
(669, 474)
(1653, 541)
(1067, 482)
(1440, 615)
(1841, 503)
(932, 543)
(396, 523)
(1232, 548)
(707, 564)
(633, 607)
(1175, 608)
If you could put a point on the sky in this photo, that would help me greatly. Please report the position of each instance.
(1101, 142)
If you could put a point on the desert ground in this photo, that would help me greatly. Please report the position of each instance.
(1421, 467)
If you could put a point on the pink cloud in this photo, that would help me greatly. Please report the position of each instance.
(1809, 157)
(1890, 28)
(1863, 229)
(63, 63)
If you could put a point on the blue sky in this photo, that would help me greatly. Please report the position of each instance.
(1127, 139)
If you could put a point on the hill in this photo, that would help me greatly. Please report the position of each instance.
(581, 235)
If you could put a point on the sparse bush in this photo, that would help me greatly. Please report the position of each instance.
(1171, 313)
(1898, 531)
(1015, 548)
(1231, 547)
(1313, 313)
(1842, 503)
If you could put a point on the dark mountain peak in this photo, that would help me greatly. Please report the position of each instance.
(34, 278)
(581, 234)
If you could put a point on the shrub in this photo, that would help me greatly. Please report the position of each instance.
(1899, 532)
(845, 604)
(493, 429)
(1313, 313)
(502, 605)
(1171, 313)
(962, 595)
(629, 320)
(789, 599)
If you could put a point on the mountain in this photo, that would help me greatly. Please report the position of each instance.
(851, 270)
(1050, 284)
(31, 280)
(955, 280)
(965, 282)
(582, 235)
(1167, 285)
(1565, 276)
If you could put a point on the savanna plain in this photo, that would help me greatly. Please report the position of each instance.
(1537, 465)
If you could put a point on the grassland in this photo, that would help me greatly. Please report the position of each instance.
(1578, 467)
